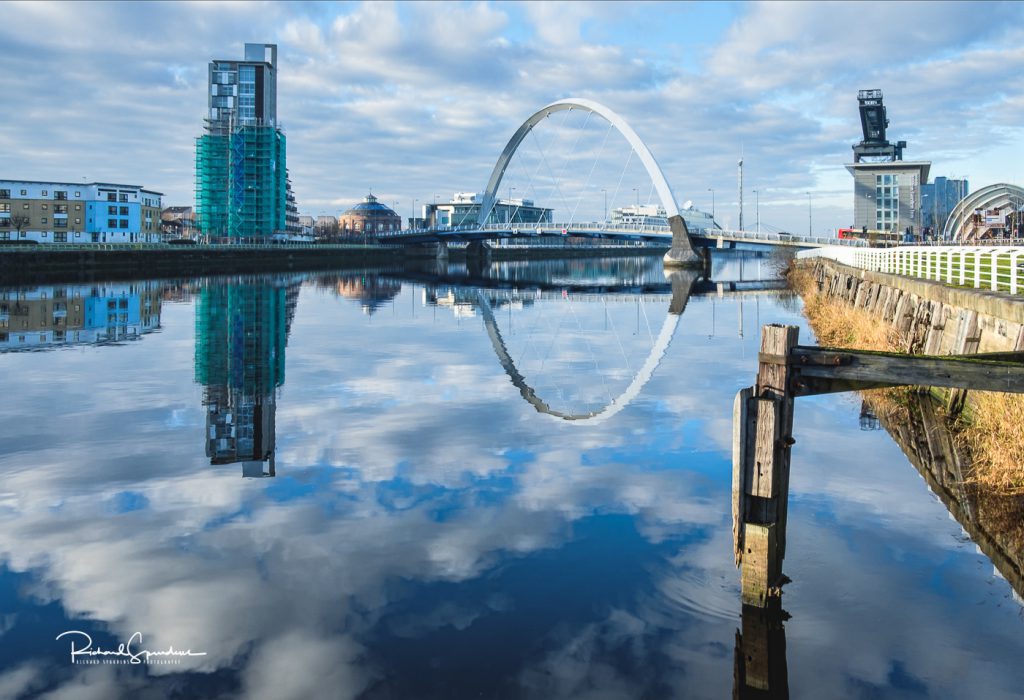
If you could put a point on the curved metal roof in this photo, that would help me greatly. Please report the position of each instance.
(997, 196)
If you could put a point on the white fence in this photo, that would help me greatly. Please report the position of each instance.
(978, 267)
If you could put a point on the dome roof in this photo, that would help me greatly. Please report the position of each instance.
(370, 206)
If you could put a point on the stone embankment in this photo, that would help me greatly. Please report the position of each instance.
(932, 318)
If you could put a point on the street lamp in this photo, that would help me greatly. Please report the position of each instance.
(757, 211)
(508, 214)
(712, 191)
(412, 219)
(605, 205)
(636, 191)
(809, 214)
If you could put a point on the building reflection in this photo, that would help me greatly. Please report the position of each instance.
(371, 291)
(53, 316)
(242, 327)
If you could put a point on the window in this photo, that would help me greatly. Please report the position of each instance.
(78, 194)
(59, 237)
(24, 206)
(24, 192)
(78, 221)
(60, 222)
(123, 197)
(44, 193)
(43, 220)
(45, 207)
(78, 207)
(124, 211)
(111, 196)
(77, 235)
(887, 202)
(4, 222)
(112, 210)
(5, 194)
(111, 223)
(60, 195)
(60, 208)
(124, 223)
(5, 207)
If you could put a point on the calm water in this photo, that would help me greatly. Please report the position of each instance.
(507, 484)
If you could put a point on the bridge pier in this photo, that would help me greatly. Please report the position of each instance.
(479, 251)
(682, 282)
(681, 254)
(435, 251)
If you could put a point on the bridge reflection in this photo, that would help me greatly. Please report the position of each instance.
(243, 324)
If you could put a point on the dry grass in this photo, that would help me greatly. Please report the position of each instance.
(993, 427)
(993, 430)
(837, 324)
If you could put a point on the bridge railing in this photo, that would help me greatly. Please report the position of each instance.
(789, 238)
(994, 268)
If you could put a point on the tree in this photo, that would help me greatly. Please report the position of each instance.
(19, 222)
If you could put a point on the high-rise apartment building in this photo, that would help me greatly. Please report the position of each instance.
(241, 177)
(938, 199)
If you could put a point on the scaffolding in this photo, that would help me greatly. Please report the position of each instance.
(241, 183)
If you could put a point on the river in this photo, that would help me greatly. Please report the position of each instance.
(512, 482)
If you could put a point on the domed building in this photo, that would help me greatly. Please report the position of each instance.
(369, 217)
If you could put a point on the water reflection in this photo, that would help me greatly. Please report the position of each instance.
(242, 328)
(53, 316)
(429, 534)
(994, 522)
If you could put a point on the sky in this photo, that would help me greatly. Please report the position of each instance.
(416, 100)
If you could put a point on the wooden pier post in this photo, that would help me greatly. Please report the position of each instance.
(762, 429)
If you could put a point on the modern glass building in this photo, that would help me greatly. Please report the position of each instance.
(938, 199)
(241, 168)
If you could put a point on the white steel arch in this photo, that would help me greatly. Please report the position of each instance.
(994, 196)
(668, 200)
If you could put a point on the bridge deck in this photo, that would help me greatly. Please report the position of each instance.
(661, 234)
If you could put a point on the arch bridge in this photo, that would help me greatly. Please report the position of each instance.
(675, 233)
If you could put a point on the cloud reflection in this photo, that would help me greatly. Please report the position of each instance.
(423, 513)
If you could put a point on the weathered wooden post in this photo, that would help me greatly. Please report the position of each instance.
(762, 429)
(759, 662)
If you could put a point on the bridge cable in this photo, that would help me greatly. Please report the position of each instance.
(544, 157)
(647, 321)
(618, 340)
(590, 175)
(622, 175)
(533, 188)
(590, 349)
(572, 151)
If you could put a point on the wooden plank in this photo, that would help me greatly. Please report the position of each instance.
(894, 369)
(760, 569)
(766, 440)
(739, 452)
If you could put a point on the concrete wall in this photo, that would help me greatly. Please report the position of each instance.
(934, 318)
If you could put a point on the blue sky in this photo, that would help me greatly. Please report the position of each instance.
(418, 99)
